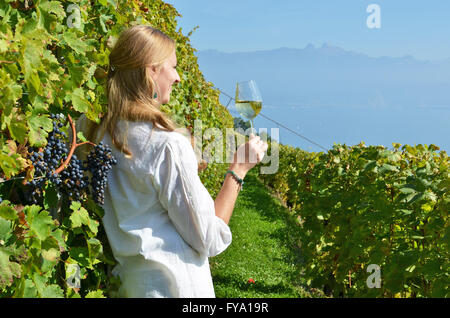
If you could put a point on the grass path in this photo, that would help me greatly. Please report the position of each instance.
(264, 249)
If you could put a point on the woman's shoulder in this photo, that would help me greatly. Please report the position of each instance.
(149, 142)
(145, 131)
(150, 145)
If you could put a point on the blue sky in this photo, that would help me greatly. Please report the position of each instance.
(408, 27)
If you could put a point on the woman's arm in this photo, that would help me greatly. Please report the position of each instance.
(226, 199)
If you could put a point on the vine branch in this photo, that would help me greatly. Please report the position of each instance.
(73, 147)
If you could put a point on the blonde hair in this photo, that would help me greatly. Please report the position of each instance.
(130, 87)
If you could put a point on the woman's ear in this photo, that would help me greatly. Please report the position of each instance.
(153, 71)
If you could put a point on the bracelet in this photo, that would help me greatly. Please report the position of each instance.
(239, 180)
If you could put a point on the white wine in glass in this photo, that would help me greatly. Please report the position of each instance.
(248, 100)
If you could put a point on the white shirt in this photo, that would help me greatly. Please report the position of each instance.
(159, 218)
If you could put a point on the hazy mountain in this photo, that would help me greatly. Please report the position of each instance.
(332, 95)
(331, 76)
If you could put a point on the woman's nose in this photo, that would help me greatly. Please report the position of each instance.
(177, 78)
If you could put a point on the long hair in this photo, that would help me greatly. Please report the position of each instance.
(130, 87)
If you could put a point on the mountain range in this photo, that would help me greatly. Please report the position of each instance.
(331, 76)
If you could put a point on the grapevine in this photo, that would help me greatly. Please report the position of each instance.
(51, 212)
(367, 205)
(60, 167)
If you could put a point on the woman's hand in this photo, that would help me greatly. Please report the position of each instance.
(248, 155)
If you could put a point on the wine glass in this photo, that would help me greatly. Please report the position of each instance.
(248, 100)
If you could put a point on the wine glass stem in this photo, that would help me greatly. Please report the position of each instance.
(251, 124)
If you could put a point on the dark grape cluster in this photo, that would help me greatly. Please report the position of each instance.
(99, 163)
(49, 159)
(73, 181)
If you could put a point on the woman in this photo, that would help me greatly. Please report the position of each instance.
(161, 222)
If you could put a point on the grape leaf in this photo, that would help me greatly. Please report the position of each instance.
(31, 63)
(47, 20)
(18, 131)
(5, 231)
(94, 207)
(50, 198)
(405, 211)
(95, 249)
(8, 212)
(51, 255)
(72, 39)
(79, 216)
(103, 19)
(408, 189)
(3, 46)
(77, 74)
(24, 27)
(95, 294)
(9, 163)
(29, 290)
(41, 223)
(11, 92)
(81, 137)
(39, 125)
(387, 167)
(80, 255)
(52, 291)
(53, 7)
(79, 103)
(8, 269)
(15, 121)
(44, 290)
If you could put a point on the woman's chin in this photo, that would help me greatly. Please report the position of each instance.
(165, 100)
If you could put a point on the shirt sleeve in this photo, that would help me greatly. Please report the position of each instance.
(189, 204)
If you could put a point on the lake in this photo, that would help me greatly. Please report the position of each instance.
(351, 125)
